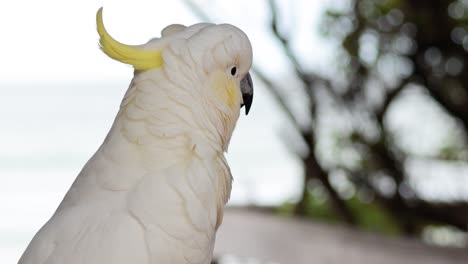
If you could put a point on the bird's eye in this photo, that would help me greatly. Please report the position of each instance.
(233, 71)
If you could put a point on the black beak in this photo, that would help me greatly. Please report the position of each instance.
(246, 87)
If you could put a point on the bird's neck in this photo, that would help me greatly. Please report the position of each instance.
(157, 110)
(155, 129)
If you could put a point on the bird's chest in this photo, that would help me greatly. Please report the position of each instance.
(181, 208)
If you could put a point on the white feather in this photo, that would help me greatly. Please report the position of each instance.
(154, 191)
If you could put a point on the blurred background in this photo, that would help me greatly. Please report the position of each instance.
(359, 124)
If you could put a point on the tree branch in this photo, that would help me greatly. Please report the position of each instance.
(389, 99)
(274, 89)
(435, 90)
(305, 78)
(314, 170)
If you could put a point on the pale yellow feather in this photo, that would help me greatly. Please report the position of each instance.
(140, 59)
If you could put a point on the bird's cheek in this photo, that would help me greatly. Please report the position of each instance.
(226, 90)
(232, 95)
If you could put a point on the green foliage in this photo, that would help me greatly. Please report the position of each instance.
(318, 208)
(386, 5)
(449, 153)
(315, 208)
(371, 217)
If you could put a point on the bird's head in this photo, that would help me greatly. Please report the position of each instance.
(209, 63)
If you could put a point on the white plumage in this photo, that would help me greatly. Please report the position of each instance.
(154, 191)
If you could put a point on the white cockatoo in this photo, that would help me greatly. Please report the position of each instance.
(155, 190)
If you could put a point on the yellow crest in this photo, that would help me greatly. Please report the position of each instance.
(139, 58)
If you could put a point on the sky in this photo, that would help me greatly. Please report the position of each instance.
(51, 63)
(60, 95)
(54, 40)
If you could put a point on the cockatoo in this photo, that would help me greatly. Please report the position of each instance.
(155, 190)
